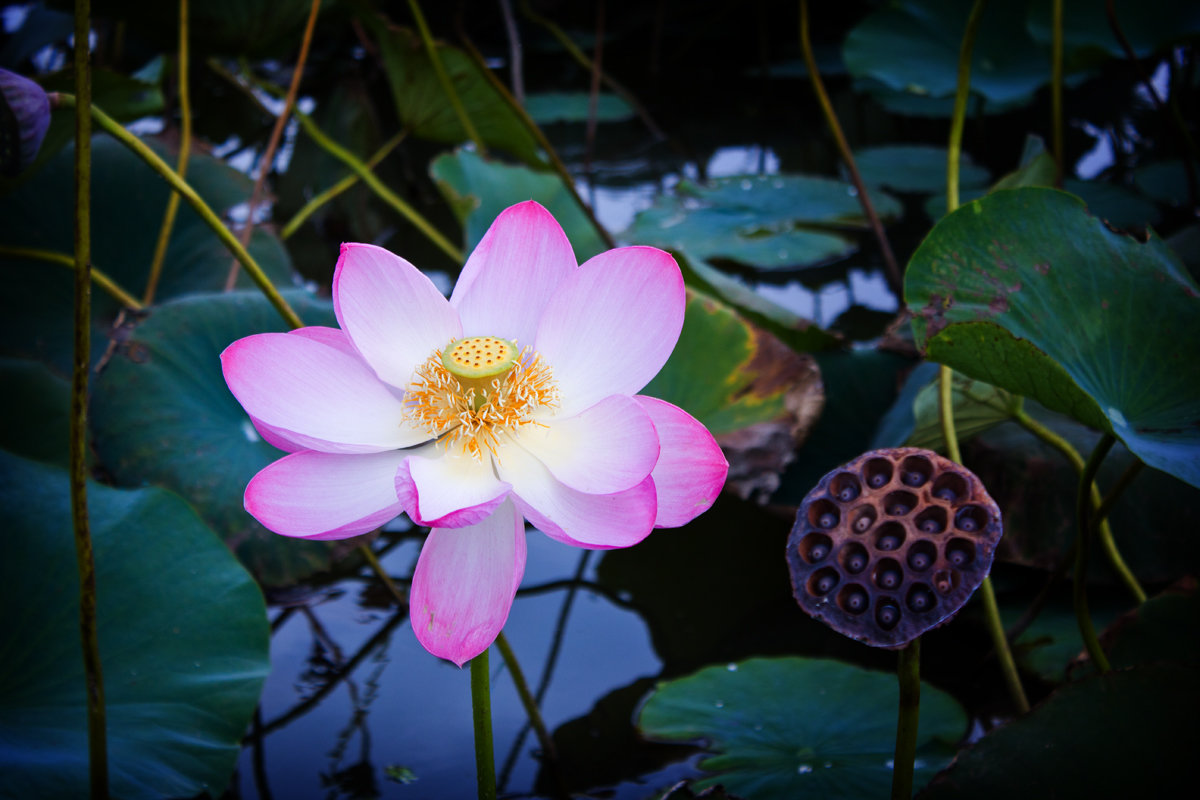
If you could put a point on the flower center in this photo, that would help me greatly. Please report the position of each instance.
(477, 389)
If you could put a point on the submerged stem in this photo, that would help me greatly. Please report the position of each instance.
(908, 673)
(1083, 507)
(481, 714)
(549, 751)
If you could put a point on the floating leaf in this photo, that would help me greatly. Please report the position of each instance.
(914, 168)
(162, 415)
(1086, 25)
(1139, 721)
(183, 640)
(796, 727)
(478, 189)
(1026, 291)
(35, 411)
(549, 107)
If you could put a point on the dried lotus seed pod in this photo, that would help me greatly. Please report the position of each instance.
(892, 544)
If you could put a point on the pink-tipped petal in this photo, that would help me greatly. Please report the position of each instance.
(325, 495)
(315, 396)
(612, 324)
(691, 470)
(448, 490)
(599, 521)
(512, 273)
(464, 584)
(394, 314)
(334, 337)
(277, 437)
(608, 448)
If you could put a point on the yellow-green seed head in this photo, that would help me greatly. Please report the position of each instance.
(478, 361)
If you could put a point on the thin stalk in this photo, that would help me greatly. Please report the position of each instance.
(991, 615)
(889, 259)
(360, 169)
(84, 558)
(589, 137)
(481, 714)
(544, 143)
(185, 149)
(958, 119)
(1100, 515)
(908, 673)
(1056, 88)
(381, 573)
(1083, 507)
(1100, 524)
(549, 751)
(345, 183)
(516, 59)
(114, 129)
(273, 143)
(99, 278)
(443, 77)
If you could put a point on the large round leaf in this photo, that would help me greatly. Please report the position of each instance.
(161, 414)
(1130, 733)
(795, 727)
(183, 640)
(128, 200)
(914, 168)
(1023, 289)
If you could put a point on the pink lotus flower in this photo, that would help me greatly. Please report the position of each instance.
(514, 400)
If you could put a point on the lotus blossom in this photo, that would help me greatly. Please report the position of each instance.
(515, 400)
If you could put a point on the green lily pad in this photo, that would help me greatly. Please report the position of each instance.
(762, 221)
(913, 47)
(128, 201)
(162, 415)
(35, 411)
(1052, 642)
(549, 107)
(1165, 181)
(478, 189)
(914, 421)
(183, 642)
(424, 108)
(1086, 26)
(1130, 733)
(1164, 628)
(1026, 291)
(914, 168)
(796, 727)
(1119, 206)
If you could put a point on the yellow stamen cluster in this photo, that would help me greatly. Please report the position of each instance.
(473, 417)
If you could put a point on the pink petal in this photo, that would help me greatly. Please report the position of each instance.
(464, 584)
(276, 437)
(612, 324)
(326, 495)
(394, 314)
(691, 470)
(315, 396)
(446, 490)
(598, 521)
(334, 337)
(512, 273)
(608, 448)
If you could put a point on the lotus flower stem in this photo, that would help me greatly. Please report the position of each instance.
(908, 671)
(93, 674)
(1083, 507)
(185, 148)
(439, 68)
(481, 713)
(99, 278)
(114, 129)
(958, 118)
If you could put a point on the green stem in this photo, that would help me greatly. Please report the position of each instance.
(373, 561)
(185, 148)
(958, 119)
(84, 557)
(114, 129)
(345, 183)
(1100, 522)
(549, 752)
(99, 278)
(268, 157)
(908, 673)
(1056, 88)
(534, 130)
(481, 714)
(1083, 506)
(360, 169)
(835, 128)
(439, 68)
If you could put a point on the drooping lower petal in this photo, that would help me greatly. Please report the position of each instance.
(316, 396)
(691, 469)
(598, 521)
(464, 584)
(392, 311)
(326, 495)
(447, 489)
(611, 325)
(512, 273)
(607, 448)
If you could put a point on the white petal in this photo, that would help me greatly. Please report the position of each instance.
(448, 490)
